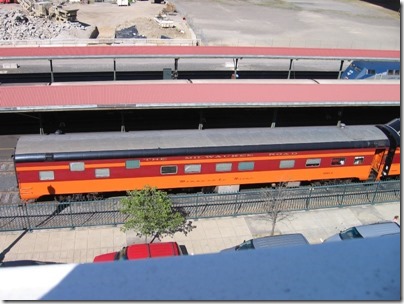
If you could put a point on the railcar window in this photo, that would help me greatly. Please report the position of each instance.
(223, 167)
(284, 164)
(192, 168)
(245, 166)
(390, 72)
(338, 162)
(102, 173)
(46, 175)
(396, 72)
(132, 164)
(314, 162)
(77, 166)
(358, 160)
(168, 169)
(371, 72)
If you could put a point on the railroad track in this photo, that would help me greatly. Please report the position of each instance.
(8, 185)
(7, 166)
(8, 197)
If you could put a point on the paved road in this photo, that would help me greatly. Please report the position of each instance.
(209, 236)
(296, 23)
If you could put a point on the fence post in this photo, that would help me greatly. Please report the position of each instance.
(116, 202)
(374, 195)
(235, 206)
(196, 207)
(71, 214)
(308, 198)
(343, 195)
(24, 208)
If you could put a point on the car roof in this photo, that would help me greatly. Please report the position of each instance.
(378, 229)
(152, 250)
(283, 240)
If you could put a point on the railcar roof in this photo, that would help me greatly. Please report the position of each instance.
(360, 136)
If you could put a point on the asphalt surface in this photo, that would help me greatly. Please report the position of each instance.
(295, 23)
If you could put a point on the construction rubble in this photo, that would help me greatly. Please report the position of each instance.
(40, 21)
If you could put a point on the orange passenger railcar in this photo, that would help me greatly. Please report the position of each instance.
(197, 159)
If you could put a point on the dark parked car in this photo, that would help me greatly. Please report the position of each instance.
(25, 263)
(284, 240)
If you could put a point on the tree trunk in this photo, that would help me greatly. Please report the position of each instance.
(275, 216)
(154, 237)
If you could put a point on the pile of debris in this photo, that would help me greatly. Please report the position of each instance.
(169, 9)
(43, 20)
(129, 32)
(162, 19)
(16, 25)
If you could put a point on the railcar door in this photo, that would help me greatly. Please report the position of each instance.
(377, 164)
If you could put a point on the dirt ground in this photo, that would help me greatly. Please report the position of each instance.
(297, 23)
(109, 18)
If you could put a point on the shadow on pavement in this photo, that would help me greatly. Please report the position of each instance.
(389, 4)
(5, 251)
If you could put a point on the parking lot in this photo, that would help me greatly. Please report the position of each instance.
(295, 23)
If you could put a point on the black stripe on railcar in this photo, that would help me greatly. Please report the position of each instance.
(144, 153)
(392, 131)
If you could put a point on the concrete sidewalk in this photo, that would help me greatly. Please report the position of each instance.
(80, 245)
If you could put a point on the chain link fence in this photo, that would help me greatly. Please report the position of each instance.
(106, 212)
(101, 41)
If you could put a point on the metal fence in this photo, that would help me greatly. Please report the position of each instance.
(106, 212)
(102, 41)
(202, 40)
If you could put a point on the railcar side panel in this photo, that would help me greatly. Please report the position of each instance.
(110, 175)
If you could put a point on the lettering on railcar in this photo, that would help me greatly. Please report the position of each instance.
(155, 159)
(193, 157)
(208, 180)
(282, 153)
(242, 178)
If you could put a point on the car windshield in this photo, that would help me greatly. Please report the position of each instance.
(350, 233)
(121, 255)
(245, 245)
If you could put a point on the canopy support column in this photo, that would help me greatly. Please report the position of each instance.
(51, 71)
(114, 69)
(340, 69)
(290, 68)
(175, 73)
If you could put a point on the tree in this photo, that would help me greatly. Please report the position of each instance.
(150, 213)
(274, 201)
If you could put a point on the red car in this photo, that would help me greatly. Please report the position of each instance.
(141, 251)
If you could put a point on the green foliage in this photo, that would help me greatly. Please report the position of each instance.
(150, 213)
